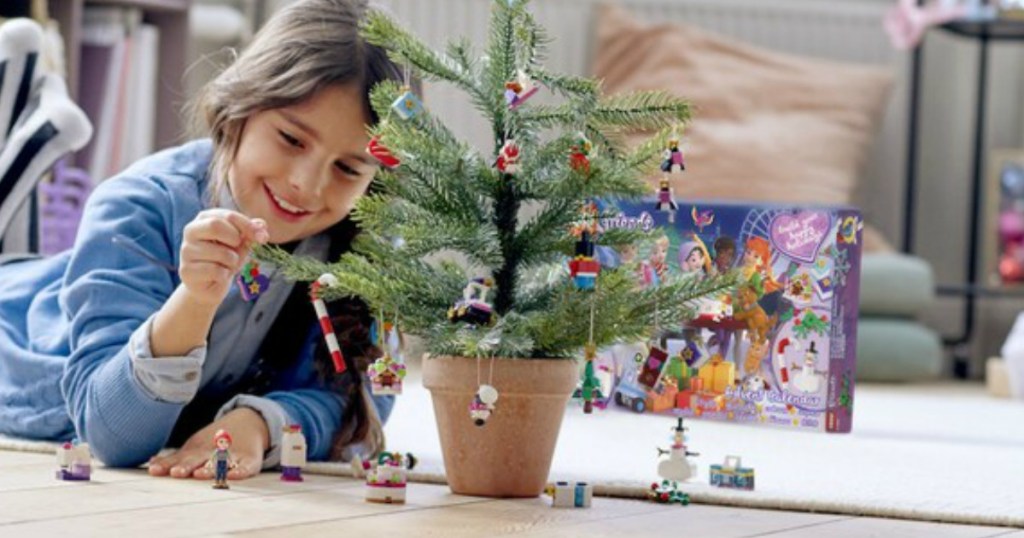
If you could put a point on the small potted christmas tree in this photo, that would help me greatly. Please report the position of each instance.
(505, 329)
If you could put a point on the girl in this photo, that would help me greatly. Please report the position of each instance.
(134, 340)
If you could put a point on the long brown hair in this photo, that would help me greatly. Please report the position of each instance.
(305, 47)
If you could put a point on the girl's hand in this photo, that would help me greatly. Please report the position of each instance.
(250, 440)
(215, 246)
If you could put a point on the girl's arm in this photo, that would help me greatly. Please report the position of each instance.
(110, 294)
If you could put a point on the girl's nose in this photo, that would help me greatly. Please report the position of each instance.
(308, 183)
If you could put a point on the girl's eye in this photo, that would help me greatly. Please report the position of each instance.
(291, 140)
(346, 169)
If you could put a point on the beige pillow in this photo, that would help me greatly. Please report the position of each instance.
(766, 126)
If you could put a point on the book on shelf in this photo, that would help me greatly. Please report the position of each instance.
(117, 88)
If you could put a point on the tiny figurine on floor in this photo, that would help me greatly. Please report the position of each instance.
(570, 495)
(473, 308)
(220, 461)
(732, 475)
(667, 492)
(74, 461)
(293, 453)
(677, 467)
(386, 478)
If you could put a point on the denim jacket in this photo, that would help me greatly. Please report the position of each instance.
(75, 358)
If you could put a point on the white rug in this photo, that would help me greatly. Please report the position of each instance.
(941, 453)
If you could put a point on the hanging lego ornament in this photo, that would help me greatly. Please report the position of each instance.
(407, 105)
(473, 308)
(519, 90)
(672, 157)
(316, 295)
(508, 158)
(386, 374)
(590, 385)
(482, 406)
(579, 156)
(584, 267)
(250, 282)
(666, 200)
(379, 151)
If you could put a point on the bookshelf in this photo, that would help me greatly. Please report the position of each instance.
(171, 16)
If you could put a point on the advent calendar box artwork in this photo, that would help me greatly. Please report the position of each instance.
(780, 348)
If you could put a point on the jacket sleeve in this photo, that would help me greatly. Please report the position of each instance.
(300, 397)
(109, 292)
(318, 412)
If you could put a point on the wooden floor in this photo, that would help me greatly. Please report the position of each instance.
(130, 503)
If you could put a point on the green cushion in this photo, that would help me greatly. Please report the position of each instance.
(895, 285)
(894, 349)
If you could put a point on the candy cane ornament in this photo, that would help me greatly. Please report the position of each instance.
(315, 293)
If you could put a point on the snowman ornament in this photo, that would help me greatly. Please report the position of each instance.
(677, 467)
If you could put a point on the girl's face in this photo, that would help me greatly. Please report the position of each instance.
(302, 167)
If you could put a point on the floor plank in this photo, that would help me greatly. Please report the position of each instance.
(238, 509)
(31, 476)
(535, 517)
(94, 498)
(865, 527)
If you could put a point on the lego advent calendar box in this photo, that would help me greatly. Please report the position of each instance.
(781, 348)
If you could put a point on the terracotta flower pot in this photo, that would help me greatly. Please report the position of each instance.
(510, 455)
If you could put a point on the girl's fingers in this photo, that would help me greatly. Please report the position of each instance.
(254, 230)
(246, 468)
(210, 251)
(188, 464)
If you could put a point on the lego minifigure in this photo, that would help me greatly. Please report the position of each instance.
(666, 200)
(293, 453)
(672, 157)
(220, 461)
(74, 461)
